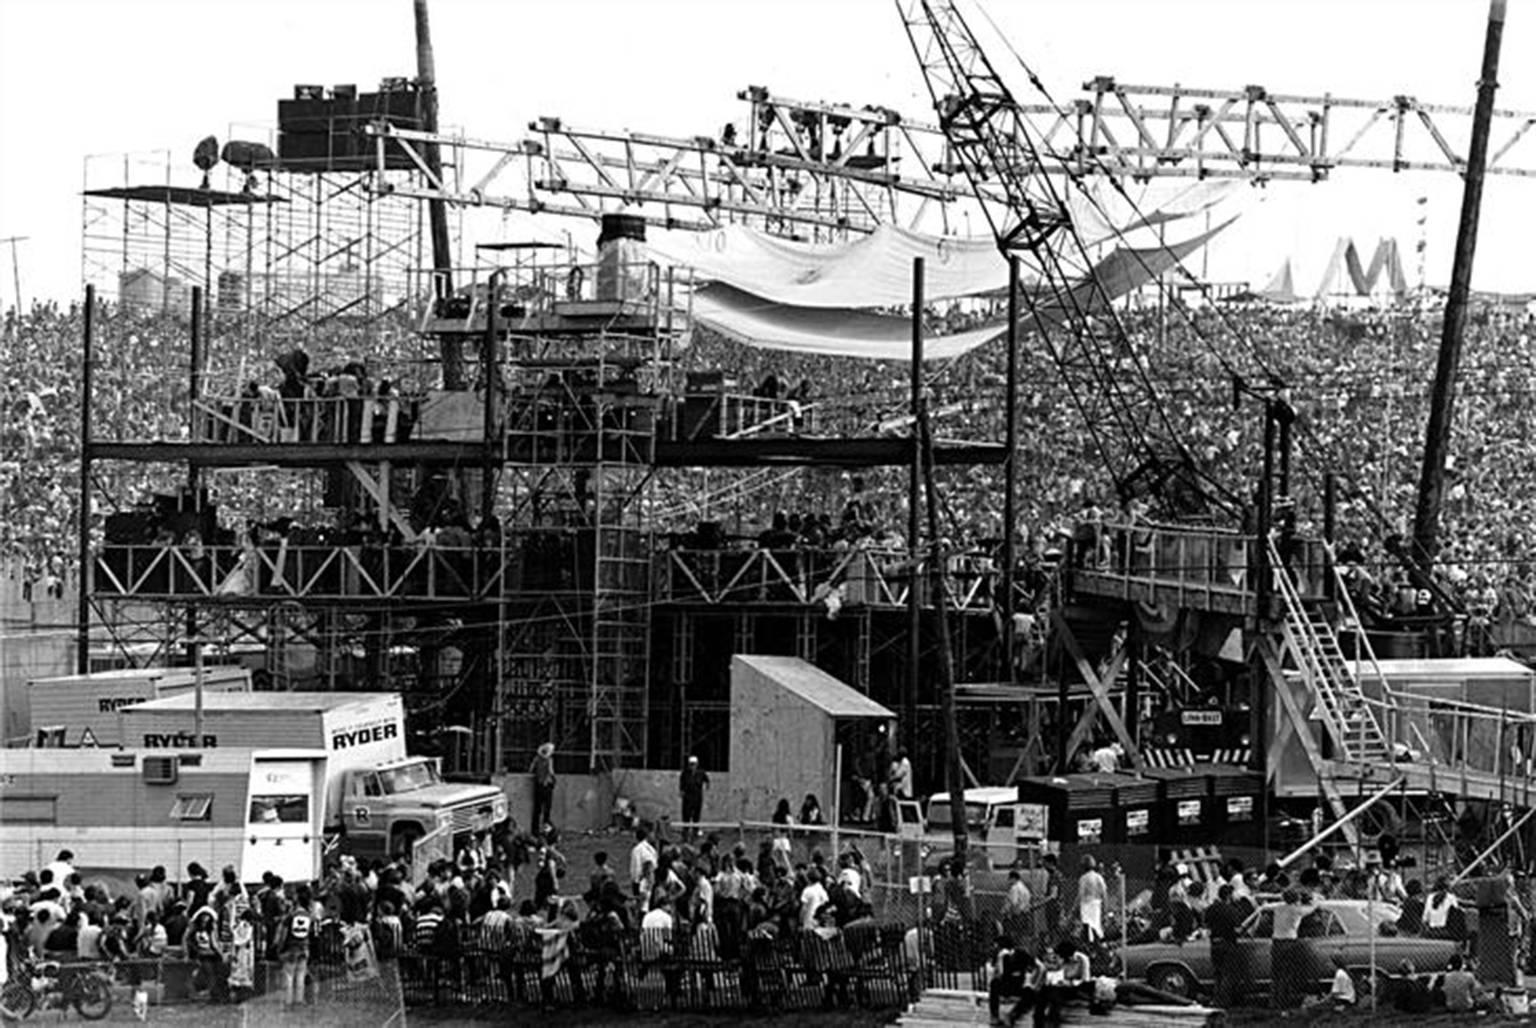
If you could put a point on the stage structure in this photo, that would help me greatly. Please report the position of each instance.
(285, 232)
(516, 559)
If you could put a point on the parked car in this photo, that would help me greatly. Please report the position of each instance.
(1336, 934)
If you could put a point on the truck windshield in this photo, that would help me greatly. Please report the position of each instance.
(408, 778)
(975, 815)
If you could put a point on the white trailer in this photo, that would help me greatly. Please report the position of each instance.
(122, 812)
(81, 710)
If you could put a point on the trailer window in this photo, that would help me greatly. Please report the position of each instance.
(29, 810)
(192, 806)
(268, 810)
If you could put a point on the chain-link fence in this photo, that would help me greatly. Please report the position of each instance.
(1217, 925)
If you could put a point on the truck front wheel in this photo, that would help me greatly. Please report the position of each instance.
(405, 838)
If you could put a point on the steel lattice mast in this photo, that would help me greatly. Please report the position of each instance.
(993, 139)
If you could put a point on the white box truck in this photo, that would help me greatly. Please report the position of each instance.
(81, 710)
(378, 799)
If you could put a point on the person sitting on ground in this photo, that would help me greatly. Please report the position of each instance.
(1463, 993)
(1410, 994)
(1342, 993)
(1076, 981)
(1016, 977)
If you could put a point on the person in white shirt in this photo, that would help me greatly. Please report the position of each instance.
(901, 776)
(812, 898)
(704, 898)
(656, 930)
(848, 875)
(1107, 758)
(1437, 910)
(640, 855)
(62, 867)
(1092, 893)
(1018, 900)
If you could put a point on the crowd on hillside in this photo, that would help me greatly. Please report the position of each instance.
(1358, 381)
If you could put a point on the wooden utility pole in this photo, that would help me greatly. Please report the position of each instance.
(16, 268)
(1437, 443)
(83, 537)
(954, 767)
(914, 524)
(437, 209)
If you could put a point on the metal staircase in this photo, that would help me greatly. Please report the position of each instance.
(1331, 678)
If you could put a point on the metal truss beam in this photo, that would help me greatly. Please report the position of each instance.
(833, 169)
(1251, 133)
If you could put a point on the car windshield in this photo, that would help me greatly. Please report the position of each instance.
(408, 778)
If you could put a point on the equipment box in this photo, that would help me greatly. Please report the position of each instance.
(1233, 806)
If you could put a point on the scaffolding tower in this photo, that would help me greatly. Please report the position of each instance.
(277, 252)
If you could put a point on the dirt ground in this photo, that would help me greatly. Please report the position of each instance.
(1325, 1018)
(252, 1015)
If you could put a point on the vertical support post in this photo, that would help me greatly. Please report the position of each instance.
(1284, 416)
(1131, 714)
(83, 553)
(914, 522)
(1258, 728)
(197, 688)
(1264, 518)
(194, 473)
(954, 762)
(1011, 474)
(837, 801)
(1442, 404)
(1330, 529)
(490, 376)
(195, 374)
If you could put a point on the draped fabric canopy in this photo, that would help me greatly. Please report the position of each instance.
(751, 317)
(876, 270)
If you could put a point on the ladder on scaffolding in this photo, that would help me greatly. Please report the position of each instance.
(1332, 681)
(1338, 701)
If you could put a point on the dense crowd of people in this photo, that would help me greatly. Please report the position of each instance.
(1357, 379)
(497, 896)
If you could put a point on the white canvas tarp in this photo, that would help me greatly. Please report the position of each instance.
(876, 270)
(756, 320)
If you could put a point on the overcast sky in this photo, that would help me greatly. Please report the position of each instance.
(107, 76)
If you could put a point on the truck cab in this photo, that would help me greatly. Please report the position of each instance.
(999, 827)
(386, 809)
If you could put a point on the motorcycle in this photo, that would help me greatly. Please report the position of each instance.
(51, 985)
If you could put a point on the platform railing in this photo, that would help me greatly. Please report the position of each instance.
(286, 571)
(310, 419)
(530, 292)
(856, 576)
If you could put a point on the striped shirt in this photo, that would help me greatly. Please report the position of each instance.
(425, 933)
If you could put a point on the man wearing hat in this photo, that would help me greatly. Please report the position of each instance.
(691, 784)
(543, 771)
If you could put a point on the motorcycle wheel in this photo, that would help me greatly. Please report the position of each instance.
(17, 1000)
(92, 997)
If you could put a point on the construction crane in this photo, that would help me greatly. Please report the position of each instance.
(994, 143)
